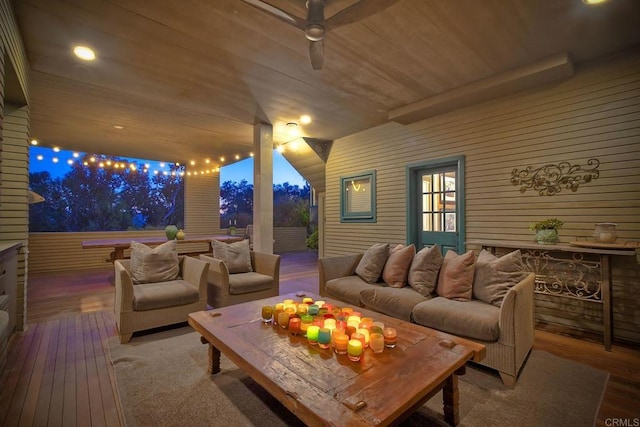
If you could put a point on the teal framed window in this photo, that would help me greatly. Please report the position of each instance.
(358, 197)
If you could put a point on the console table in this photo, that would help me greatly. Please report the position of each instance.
(571, 276)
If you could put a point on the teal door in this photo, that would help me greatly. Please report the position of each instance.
(435, 214)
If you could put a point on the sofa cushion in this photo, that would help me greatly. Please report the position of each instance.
(424, 269)
(348, 288)
(151, 296)
(393, 302)
(159, 264)
(495, 276)
(370, 266)
(236, 255)
(474, 319)
(456, 276)
(244, 283)
(396, 268)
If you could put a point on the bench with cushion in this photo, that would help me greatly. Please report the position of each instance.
(489, 300)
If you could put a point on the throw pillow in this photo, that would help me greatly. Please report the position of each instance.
(236, 255)
(159, 264)
(396, 269)
(456, 276)
(495, 276)
(370, 266)
(423, 273)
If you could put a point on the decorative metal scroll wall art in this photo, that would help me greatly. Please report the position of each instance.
(574, 277)
(549, 179)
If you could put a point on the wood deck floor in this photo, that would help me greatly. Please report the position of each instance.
(58, 372)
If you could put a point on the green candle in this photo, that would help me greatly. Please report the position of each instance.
(312, 334)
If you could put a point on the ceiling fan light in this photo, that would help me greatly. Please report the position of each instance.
(314, 32)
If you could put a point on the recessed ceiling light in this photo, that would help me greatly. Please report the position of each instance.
(34, 142)
(85, 53)
(119, 127)
(56, 149)
(305, 119)
(593, 1)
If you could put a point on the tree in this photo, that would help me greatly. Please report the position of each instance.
(236, 203)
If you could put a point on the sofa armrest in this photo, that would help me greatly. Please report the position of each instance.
(195, 271)
(335, 267)
(267, 264)
(217, 273)
(124, 287)
(516, 315)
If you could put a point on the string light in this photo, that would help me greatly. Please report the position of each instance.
(106, 162)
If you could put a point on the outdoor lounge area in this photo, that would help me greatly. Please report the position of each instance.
(472, 182)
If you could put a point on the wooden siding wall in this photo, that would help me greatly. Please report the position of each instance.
(14, 136)
(289, 239)
(595, 114)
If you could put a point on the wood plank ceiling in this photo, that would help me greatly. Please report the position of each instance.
(187, 79)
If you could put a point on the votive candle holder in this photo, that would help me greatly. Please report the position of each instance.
(324, 338)
(390, 337)
(267, 313)
(358, 337)
(340, 342)
(312, 334)
(294, 325)
(283, 319)
(376, 342)
(365, 333)
(354, 350)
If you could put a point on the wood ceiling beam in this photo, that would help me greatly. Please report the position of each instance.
(549, 70)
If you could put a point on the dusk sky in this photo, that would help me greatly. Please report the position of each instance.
(283, 171)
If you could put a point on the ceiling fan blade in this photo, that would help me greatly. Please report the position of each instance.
(316, 54)
(277, 13)
(358, 11)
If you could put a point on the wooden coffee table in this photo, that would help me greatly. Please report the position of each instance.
(323, 388)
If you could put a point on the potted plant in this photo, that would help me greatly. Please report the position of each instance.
(546, 230)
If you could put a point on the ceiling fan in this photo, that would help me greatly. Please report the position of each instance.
(315, 25)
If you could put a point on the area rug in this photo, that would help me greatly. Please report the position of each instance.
(162, 380)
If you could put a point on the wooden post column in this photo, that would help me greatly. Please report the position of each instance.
(263, 188)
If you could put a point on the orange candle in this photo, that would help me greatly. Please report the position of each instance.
(390, 337)
(294, 325)
(376, 342)
(283, 319)
(340, 343)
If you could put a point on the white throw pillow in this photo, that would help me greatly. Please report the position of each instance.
(235, 255)
(160, 264)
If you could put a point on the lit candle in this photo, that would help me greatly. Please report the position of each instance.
(330, 324)
(358, 337)
(334, 333)
(287, 302)
(329, 307)
(350, 330)
(376, 342)
(340, 343)
(324, 338)
(302, 308)
(356, 313)
(312, 334)
(307, 300)
(267, 313)
(276, 312)
(347, 310)
(319, 303)
(354, 350)
(366, 320)
(365, 333)
(283, 319)
(294, 325)
(313, 309)
(379, 325)
(306, 322)
(353, 321)
(390, 337)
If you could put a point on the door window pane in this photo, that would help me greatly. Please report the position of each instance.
(439, 202)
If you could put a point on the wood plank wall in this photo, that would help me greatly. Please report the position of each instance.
(595, 114)
(14, 136)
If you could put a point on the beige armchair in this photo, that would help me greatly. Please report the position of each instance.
(225, 289)
(150, 305)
